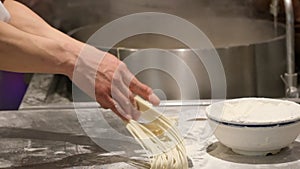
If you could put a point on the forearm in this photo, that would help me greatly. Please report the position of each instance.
(26, 20)
(24, 52)
(43, 48)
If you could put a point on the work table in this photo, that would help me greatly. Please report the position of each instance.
(84, 136)
(48, 138)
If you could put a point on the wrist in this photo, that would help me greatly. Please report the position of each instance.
(71, 53)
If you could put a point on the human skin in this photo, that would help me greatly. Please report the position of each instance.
(28, 44)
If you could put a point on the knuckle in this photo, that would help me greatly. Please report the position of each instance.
(110, 102)
(106, 102)
(103, 91)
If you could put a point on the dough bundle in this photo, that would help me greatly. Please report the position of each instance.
(160, 138)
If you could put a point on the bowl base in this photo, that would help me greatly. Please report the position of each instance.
(256, 153)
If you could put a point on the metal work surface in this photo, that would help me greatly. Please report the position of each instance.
(53, 138)
(47, 138)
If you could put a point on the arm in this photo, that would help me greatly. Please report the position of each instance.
(42, 48)
(26, 20)
(28, 44)
(24, 52)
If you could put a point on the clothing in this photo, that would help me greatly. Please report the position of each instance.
(4, 14)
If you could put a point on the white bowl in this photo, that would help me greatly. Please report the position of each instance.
(255, 126)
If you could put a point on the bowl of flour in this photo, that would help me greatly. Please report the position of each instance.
(255, 126)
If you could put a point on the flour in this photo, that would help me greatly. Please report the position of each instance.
(255, 110)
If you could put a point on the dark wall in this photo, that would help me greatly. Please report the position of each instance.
(70, 14)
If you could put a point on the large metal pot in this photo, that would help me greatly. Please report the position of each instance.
(253, 57)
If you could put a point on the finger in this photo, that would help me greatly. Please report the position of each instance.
(136, 113)
(125, 103)
(136, 86)
(119, 83)
(124, 88)
(107, 102)
(154, 99)
(126, 118)
(132, 100)
(144, 91)
(120, 111)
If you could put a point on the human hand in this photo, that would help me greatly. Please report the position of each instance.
(115, 86)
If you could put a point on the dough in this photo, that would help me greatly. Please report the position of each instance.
(163, 141)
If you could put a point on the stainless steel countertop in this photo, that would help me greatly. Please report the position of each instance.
(48, 137)
(46, 133)
(54, 137)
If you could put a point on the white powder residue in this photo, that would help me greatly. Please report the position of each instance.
(255, 110)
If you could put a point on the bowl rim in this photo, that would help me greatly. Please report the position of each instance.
(252, 124)
(249, 125)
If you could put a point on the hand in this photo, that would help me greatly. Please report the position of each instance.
(115, 86)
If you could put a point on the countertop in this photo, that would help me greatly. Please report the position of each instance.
(50, 131)
(86, 136)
